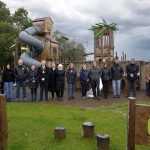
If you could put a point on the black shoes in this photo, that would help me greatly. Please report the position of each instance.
(116, 96)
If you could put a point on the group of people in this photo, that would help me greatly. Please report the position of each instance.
(53, 79)
(108, 74)
(48, 78)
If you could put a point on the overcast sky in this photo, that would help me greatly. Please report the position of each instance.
(74, 17)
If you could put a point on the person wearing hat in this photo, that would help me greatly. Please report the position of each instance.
(106, 76)
(132, 70)
(60, 82)
(116, 73)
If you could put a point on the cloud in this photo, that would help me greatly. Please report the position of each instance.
(74, 18)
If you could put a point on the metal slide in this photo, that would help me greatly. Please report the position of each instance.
(27, 36)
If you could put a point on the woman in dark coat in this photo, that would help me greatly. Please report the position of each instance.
(33, 81)
(52, 80)
(8, 79)
(60, 81)
(71, 75)
(106, 76)
(84, 80)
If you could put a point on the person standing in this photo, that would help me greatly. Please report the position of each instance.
(20, 73)
(8, 79)
(117, 73)
(33, 82)
(60, 82)
(71, 75)
(106, 76)
(147, 74)
(132, 70)
(52, 80)
(43, 73)
(94, 75)
(84, 80)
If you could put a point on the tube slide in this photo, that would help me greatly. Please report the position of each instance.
(27, 36)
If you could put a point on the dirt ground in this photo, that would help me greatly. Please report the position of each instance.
(89, 102)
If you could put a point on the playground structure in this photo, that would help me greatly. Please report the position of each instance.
(42, 44)
(48, 47)
(104, 41)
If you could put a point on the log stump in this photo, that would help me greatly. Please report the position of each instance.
(102, 141)
(88, 129)
(3, 122)
(60, 133)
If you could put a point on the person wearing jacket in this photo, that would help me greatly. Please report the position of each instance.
(20, 73)
(71, 75)
(84, 80)
(60, 82)
(147, 75)
(132, 70)
(43, 73)
(94, 76)
(8, 79)
(106, 77)
(116, 72)
(52, 80)
(33, 82)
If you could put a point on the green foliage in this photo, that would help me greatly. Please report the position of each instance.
(31, 126)
(7, 35)
(71, 50)
(101, 28)
(4, 13)
(10, 26)
(20, 18)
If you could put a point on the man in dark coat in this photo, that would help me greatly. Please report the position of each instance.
(20, 73)
(43, 72)
(132, 70)
(117, 73)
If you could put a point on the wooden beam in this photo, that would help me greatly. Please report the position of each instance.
(3, 122)
(131, 125)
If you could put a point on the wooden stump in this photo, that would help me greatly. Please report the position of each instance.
(3, 122)
(60, 133)
(102, 141)
(87, 129)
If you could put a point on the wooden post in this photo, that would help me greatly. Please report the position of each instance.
(131, 125)
(60, 133)
(87, 129)
(3, 122)
(102, 141)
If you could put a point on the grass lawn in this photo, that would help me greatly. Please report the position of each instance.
(31, 126)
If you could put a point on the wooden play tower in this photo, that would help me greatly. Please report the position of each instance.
(104, 41)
